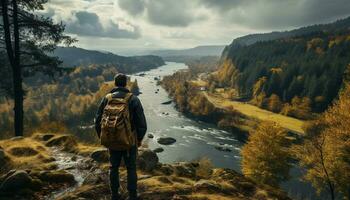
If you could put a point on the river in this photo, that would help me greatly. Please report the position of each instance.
(195, 139)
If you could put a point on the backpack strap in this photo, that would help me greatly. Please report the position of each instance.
(127, 97)
(109, 97)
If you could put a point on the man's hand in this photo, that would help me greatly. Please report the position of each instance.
(139, 143)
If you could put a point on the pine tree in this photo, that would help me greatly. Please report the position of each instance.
(28, 38)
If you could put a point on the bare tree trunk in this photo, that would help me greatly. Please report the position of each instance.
(329, 182)
(17, 75)
(14, 58)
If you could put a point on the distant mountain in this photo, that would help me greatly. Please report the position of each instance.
(199, 51)
(253, 38)
(74, 56)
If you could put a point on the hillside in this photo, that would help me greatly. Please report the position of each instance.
(260, 37)
(73, 56)
(214, 50)
(305, 69)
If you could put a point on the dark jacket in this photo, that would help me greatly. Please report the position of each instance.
(138, 120)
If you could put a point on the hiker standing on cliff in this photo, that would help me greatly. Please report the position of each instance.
(121, 125)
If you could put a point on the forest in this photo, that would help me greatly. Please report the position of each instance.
(67, 104)
(289, 71)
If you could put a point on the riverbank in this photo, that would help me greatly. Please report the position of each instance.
(193, 98)
(54, 166)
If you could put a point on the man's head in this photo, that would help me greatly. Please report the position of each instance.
(120, 80)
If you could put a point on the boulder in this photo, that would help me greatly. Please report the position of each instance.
(59, 176)
(66, 142)
(44, 136)
(166, 140)
(166, 169)
(17, 138)
(184, 169)
(224, 149)
(150, 136)
(16, 180)
(100, 155)
(207, 186)
(147, 160)
(158, 150)
(98, 176)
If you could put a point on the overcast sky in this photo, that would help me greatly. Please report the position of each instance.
(120, 25)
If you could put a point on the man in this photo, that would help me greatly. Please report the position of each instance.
(138, 127)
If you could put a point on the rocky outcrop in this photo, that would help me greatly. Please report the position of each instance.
(147, 160)
(157, 181)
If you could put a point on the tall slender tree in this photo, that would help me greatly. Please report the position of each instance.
(27, 38)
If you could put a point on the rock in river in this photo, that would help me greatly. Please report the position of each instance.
(167, 102)
(166, 140)
(225, 149)
(150, 135)
(158, 150)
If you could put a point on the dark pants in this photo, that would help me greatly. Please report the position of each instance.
(130, 163)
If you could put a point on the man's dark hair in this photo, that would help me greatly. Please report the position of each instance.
(120, 80)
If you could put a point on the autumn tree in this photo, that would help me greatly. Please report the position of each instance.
(274, 103)
(265, 155)
(27, 38)
(325, 151)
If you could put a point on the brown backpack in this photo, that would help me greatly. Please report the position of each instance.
(116, 133)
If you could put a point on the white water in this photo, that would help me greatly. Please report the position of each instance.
(71, 163)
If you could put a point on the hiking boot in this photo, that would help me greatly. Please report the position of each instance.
(115, 197)
(133, 195)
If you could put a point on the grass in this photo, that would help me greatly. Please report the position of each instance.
(27, 153)
(249, 110)
(33, 153)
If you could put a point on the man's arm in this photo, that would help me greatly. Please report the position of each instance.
(98, 116)
(139, 119)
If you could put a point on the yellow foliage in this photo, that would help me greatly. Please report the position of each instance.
(299, 108)
(265, 156)
(315, 42)
(326, 150)
(276, 70)
(227, 73)
(274, 103)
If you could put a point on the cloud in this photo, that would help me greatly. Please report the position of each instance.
(179, 13)
(89, 24)
(133, 7)
(170, 13)
(185, 23)
(277, 14)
